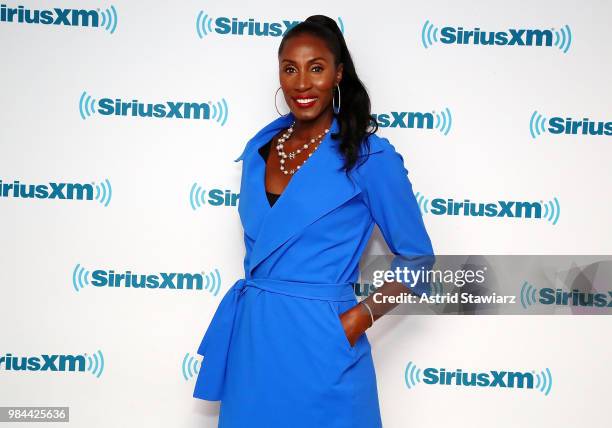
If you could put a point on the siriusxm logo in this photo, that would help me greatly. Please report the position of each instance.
(550, 210)
(105, 19)
(531, 295)
(223, 25)
(101, 192)
(364, 289)
(190, 366)
(490, 379)
(561, 39)
(103, 278)
(539, 125)
(55, 363)
(441, 121)
(214, 197)
(217, 111)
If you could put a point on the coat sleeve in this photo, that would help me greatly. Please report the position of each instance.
(388, 194)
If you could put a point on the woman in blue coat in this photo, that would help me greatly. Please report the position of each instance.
(286, 346)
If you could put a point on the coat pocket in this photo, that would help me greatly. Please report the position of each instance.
(338, 326)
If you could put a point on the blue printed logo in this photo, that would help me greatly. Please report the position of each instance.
(363, 289)
(207, 25)
(539, 124)
(560, 39)
(93, 364)
(100, 192)
(549, 210)
(105, 19)
(199, 197)
(531, 295)
(528, 295)
(103, 278)
(190, 366)
(441, 121)
(217, 111)
(541, 381)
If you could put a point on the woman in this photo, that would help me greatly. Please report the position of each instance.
(286, 346)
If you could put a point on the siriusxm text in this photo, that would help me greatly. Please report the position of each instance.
(167, 280)
(44, 362)
(168, 110)
(510, 37)
(551, 296)
(55, 16)
(219, 197)
(251, 27)
(405, 119)
(440, 206)
(493, 378)
(570, 126)
(16, 189)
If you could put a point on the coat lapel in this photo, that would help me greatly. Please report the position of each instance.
(253, 203)
(316, 189)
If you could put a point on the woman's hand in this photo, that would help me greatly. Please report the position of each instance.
(355, 321)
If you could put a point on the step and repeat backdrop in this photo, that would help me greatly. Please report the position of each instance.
(119, 125)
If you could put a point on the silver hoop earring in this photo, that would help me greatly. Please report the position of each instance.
(276, 107)
(336, 109)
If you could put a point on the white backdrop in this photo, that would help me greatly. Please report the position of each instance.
(145, 215)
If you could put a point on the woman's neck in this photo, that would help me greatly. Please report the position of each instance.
(305, 130)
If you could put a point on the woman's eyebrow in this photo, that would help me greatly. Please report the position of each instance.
(311, 60)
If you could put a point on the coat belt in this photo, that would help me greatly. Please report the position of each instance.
(215, 344)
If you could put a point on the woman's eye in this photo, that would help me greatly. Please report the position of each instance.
(316, 68)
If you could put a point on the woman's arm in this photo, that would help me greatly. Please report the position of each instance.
(358, 319)
(387, 191)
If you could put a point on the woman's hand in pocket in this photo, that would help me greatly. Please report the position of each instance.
(355, 322)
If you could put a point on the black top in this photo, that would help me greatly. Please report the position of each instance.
(264, 151)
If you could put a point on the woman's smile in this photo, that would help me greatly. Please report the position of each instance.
(305, 101)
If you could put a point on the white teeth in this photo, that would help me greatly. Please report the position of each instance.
(305, 100)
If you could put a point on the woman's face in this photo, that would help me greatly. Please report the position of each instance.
(307, 76)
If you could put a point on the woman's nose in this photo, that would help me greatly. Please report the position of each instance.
(303, 81)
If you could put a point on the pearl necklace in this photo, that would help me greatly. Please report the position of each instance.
(291, 155)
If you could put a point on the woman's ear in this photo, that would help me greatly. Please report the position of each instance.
(339, 72)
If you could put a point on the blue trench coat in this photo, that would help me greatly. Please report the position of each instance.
(275, 352)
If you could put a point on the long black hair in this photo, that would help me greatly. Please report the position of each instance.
(354, 120)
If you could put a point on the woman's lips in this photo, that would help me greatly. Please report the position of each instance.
(305, 102)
